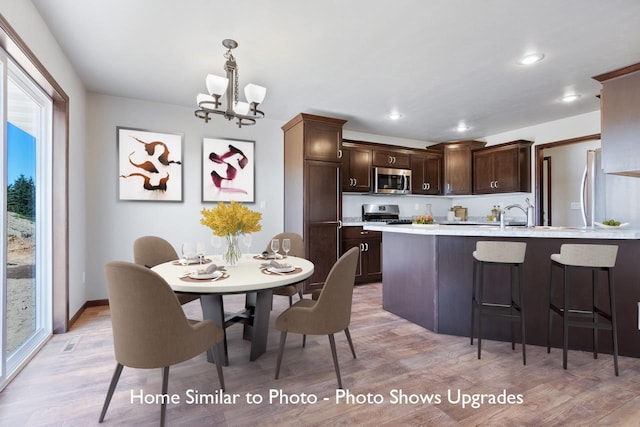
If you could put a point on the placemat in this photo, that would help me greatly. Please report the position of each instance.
(206, 261)
(192, 280)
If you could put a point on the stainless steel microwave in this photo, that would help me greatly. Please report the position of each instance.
(391, 181)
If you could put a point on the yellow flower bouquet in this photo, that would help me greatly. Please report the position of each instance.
(230, 221)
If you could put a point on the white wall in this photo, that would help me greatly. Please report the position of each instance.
(26, 21)
(113, 225)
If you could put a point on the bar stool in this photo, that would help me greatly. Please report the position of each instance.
(505, 254)
(595, 258)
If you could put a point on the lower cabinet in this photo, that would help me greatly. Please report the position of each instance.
(370, 244)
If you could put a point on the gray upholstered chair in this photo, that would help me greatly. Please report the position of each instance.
(297, 249)
(150, 329)
(329, 314)
(151, 251)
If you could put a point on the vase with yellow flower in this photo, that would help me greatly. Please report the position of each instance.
(231, 221)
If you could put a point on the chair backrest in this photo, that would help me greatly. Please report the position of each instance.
(501, 252)
(332, 310)
(587, 255)
(152, 250)
(297, 244)
(150, 330)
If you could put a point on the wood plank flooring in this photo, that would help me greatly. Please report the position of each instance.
(68, 388)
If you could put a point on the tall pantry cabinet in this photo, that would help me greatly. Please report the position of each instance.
(312, 196)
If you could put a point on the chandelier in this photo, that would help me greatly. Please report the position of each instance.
(245, 112)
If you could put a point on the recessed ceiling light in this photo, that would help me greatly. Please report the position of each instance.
(462, 127)
(571, 98)
(394, 116)
(531, 58)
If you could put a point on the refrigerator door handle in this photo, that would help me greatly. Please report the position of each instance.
(583, 199)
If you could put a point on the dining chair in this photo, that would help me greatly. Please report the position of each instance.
(153, 250)
(297, 250)
(329, 314)
(150, 329)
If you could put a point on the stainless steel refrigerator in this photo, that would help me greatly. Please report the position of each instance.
(593, 190)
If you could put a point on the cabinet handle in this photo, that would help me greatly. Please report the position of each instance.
(394, 160)
(496, 186)
(339, 154)
(428, 186)
(355, 181)
(364, 232)
(389, 159)
(366, 247)
(361, 247)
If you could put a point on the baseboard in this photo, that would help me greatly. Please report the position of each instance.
(92, 303)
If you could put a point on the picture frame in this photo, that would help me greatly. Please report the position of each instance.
(228, 170)
(149, 165)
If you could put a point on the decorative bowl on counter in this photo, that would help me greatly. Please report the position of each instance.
(601, 225)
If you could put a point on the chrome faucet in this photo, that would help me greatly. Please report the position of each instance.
(528, 212)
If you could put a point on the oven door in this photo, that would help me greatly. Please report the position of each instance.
(391, 181)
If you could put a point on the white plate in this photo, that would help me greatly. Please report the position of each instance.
(288, 269)
(189, 261)
(601, 225)
(206, 276)
(270, 256)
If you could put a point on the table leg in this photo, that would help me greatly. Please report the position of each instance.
(260, 329)
(250, 307)
(213, 309)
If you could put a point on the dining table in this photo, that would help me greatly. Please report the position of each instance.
(254, 275)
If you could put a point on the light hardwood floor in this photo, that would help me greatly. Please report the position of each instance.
(68, 388)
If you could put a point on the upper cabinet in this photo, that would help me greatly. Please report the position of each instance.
(504, 168)
(322, 136)
(355, 168)
(620, 115)
(390, 159)
(457, 165)
(426, 173)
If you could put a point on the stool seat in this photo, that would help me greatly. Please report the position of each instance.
(595, 258)
(581, 255)
(498, 254)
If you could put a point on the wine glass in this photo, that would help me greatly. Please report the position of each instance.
(275, 247)
(187, 252)
(246, 238)
(286, 246)
(200, 249)
(216, 242)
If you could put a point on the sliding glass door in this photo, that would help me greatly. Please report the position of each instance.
(26, 230)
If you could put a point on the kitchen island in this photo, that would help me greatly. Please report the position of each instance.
(427, 276)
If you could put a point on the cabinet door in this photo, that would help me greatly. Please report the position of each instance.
(457, 169)
(433, 173)
(391, 159)
(505, 170)
(322, 212)
(350, 243)
(418, 179)
(483, 177)
(322, 141)
(372, 260)
(356, 169)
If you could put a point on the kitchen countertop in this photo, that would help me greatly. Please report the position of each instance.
(510, 231)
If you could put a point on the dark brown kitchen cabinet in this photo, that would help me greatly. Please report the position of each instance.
(620, 117)
(369, 267)
(312, 196)
(391, 159)
(457, 164)
(503, 168)
(426, 173)
(356, 168)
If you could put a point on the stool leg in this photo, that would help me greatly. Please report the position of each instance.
(550, 321)
(614, 327)
(594, 281)
(473, 299)
(565, 318)
(521, 299)
(480, 306)
(511, 285)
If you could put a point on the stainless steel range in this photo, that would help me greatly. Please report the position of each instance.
(389, 214)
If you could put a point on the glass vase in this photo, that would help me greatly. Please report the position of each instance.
(232, 254)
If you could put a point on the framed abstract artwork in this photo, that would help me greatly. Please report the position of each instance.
(149, 165)
(228, 170)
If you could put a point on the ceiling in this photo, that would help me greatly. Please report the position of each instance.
(436, 62)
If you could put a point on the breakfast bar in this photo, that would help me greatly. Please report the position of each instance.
(427, 273)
